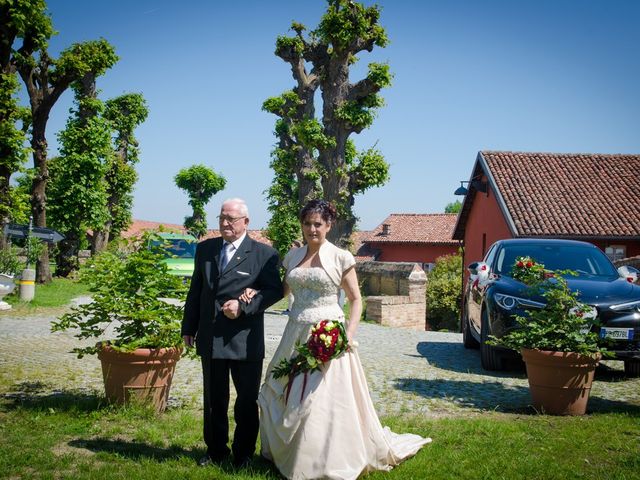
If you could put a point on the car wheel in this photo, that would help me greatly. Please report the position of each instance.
(467, 337)
(489, 356)
(632, 368)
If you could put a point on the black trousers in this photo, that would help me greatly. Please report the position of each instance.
(246, 380)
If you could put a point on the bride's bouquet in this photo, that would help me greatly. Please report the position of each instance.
(328, 340)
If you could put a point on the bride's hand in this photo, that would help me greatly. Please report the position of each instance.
(352, 342)
(247, 295)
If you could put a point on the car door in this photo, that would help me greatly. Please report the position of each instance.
(476, 294)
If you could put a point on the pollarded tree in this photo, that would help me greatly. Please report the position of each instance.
(46, 79)
(124, 113)
(77, 196)
(201, 183)
(24, 24)
(318, 156)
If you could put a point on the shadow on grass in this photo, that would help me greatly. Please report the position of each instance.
(497, 396)
(40, 396)
(133, 450)
(138, 450)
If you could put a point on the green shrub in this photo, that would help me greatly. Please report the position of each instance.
(444, 293)
(9, 262)
(127, 287)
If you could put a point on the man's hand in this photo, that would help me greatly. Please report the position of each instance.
(189, 340)
(231, 309)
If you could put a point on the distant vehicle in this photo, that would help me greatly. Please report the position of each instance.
(493, 299)
(180, 251)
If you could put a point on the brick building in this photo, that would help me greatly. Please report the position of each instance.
(589, 197)
(411, 237)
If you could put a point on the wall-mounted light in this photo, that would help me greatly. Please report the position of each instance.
(479, 185)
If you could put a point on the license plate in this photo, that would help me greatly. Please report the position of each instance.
(616, 333)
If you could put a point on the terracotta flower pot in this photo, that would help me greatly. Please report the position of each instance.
(144, 374)
(560, 382)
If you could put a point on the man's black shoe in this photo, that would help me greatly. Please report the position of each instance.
(242, 462)
(212, 460)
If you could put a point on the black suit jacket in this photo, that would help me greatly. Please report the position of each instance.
(254, 265)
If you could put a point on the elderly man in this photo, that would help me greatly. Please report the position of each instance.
(228, 332)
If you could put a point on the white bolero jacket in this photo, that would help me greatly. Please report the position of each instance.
(335, 261)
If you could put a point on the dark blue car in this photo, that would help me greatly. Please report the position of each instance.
(493, 299)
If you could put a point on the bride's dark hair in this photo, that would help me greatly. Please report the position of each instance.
(326, 210)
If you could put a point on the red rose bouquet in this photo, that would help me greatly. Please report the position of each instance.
(328, 340)
(528, 271)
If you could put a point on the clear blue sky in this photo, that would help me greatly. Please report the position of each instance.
(530, 75)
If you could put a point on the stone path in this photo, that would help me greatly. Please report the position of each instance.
(409, 372)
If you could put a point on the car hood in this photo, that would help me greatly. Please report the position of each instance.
(179, 266)
(600, 292)
(605, 292)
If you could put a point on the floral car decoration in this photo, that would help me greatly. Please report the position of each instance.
(563, 324)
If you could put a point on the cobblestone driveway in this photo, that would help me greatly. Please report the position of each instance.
(409, 372)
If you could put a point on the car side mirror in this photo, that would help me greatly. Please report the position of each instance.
(473, 268)
(627, 274)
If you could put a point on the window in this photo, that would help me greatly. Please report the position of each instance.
(616, 252)
(428, 266)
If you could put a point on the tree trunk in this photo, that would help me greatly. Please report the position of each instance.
(5, 175)
(100, 239)
(67, 258)
(38, 191)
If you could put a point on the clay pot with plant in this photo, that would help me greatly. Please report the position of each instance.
(557, 343)
(138, 329)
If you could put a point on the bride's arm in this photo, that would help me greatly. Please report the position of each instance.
(352, 290)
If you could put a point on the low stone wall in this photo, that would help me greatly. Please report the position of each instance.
(395, 293)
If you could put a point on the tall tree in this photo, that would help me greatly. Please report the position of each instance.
(201, 183)
(20, 21)
(124, 113)
(315, 157)
(77, 197)
(46, 79)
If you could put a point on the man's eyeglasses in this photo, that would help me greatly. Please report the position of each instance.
(231, 220)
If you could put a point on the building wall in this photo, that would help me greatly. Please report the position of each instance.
(485, 225)
(412, 252)
(631, 248)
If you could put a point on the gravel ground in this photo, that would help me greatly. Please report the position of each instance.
(409, 372)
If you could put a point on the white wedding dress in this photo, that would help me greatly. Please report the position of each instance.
(328, 427)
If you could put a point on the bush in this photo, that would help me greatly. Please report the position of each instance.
(10, 264)
(444, 293)
(127, 287)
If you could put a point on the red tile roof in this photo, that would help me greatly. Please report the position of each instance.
(430, 228)
(138, 226)
(563, 195)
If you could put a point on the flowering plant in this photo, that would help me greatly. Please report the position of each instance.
(327, 341)
(563, 324)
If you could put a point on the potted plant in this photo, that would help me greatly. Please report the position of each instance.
(556, 342)
(10, 266)
(130, 288)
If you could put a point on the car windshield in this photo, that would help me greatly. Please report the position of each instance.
(584, 260)
(176, 247)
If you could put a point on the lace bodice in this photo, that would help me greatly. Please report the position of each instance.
(315, 296)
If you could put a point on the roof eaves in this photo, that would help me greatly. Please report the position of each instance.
(499, 198)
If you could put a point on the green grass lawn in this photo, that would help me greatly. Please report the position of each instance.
(77, 436)
(54, 295)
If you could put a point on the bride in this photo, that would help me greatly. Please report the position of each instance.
(327, 426)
